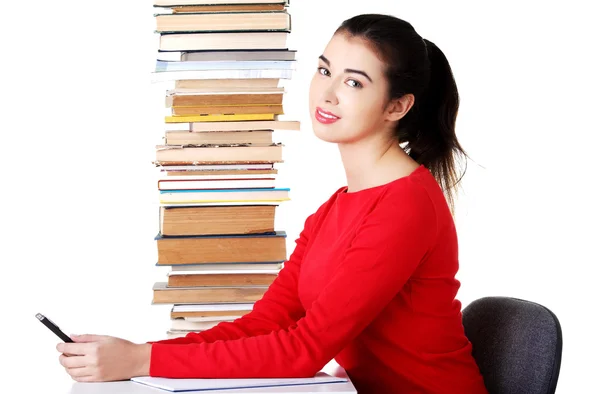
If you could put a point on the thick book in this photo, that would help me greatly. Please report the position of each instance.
(207, 220)
(192, 295)
(225, 83)
(232, 55)
(224, 196)
(228, 40)
(218, 137)
(178, 155)
(189, 97)
(276, 109)
(226, 21)
(224, 248)
(218, 278)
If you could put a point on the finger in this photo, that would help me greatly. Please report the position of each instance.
(87, 338)
(74, 349)
(89, 378)
(79, 372)
(73, 361)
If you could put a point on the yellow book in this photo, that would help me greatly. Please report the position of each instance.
(217, 118)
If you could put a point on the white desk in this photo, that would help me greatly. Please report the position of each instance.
(128, 387)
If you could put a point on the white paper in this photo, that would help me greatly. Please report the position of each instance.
(176, 385)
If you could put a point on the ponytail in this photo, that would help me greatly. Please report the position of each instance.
(433, 142)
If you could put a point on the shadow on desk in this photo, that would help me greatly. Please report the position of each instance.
(128, 387)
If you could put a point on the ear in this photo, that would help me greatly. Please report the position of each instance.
(397, 108)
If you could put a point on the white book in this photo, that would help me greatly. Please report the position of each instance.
(167, 76)
(176, 385)
(164, 66)
(214, 176)
(212, 307)
(172, 3)
(217, 184)
(217, 203)
(216, 167)
(193, 326)
(211, 318)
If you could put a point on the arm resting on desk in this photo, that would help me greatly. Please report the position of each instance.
(387, 248)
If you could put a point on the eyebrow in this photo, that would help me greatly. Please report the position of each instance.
(347, 70)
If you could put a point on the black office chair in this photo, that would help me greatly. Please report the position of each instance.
(517, 344)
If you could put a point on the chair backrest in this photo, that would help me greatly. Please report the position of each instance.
(517, 344)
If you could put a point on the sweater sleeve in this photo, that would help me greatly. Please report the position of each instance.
(388, 246)
(277, 309)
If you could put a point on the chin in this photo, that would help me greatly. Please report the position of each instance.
(327, 133)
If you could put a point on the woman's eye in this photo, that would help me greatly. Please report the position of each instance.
(354, 83)
(323, 71)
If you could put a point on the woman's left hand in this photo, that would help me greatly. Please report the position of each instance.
(101, 358)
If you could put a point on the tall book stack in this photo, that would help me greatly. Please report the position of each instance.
(225, 62)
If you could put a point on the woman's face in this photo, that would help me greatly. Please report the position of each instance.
(348, 92)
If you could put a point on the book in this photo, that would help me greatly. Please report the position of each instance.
(210, 311)
(233, 267)
(184, 325)
(226, 40)
(171, 3)
(191, 97)
(227, 8)
(233, 55)
(192, 295)
(227, 110)
(219, 167)
(166, 76)
(207, 278)
(179, 385)
(216, 184)
(248, 219)
(214, 175)
(206, 318)
(244, 125)
(227, 196)
(218, 137)
(165, 65)
(178, 155)
(221, 83)
(223, 21)
(223, 248)
(217, 118)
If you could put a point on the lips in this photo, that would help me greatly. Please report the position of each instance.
(325, 117)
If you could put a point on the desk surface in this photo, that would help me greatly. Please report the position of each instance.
(129, 387)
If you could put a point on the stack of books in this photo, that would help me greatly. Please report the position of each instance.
(225, 61)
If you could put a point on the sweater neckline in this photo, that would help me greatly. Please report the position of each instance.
(416, 171)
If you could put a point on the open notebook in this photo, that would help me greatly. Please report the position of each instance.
(176, 385)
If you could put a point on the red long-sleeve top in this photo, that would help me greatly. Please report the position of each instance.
(371, 283)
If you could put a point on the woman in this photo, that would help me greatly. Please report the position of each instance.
(371, 281)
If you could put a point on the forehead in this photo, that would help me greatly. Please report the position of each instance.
(344, 51)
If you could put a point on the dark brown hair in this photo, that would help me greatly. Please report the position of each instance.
(416, 65)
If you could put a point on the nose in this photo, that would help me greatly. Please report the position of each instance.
(330, 94)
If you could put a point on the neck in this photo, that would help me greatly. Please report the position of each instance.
(370, 163)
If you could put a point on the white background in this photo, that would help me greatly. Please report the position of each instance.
(80, 120)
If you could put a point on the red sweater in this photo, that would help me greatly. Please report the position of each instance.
(370, 283)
